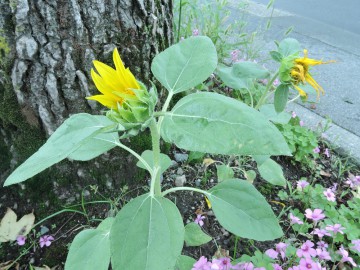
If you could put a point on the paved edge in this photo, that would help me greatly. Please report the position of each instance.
(343, 141)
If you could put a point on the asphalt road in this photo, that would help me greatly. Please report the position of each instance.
(330, 30)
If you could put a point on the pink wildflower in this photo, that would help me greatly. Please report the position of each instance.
(224, 263)
(281, 248)
(320, 232)
(336, 228)
(199, 220)
(322, 245)
(330, 195)
(345, 256)
(308, 263)
(201, 264)
(301, 123)
(322, 254)
(295, 220)
(315, 215)
(195, 32)
(353, 181)
(273, 254)
(316, 150)
(327, 152)
(293, 114)
(277, 266)
(20, 240)
(244, 266)
(356, 244)
(301, 184)
(276, 82)
(46, 240)
(234, 55)
(306, 250)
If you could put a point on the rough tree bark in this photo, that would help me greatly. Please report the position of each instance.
(46, 53)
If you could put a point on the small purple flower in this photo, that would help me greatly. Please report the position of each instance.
(336, 228)
(308, 263)
(320, 232)
(276, 82)
(21, 240)
(223, 263)
(306, 250)
(273, 254)
(322, 245)
(295, 220)
(201, 264)
(356, 244)
(199, 220)
(301, 123)
(315, 215)
(345, 256)
(301, 184)
(330, 195)
(327, 152)
(353, 181)
(46, 240)
(316, 150)
(281, 248)
(234, 55)
(195, 32)
(277, 266)
(322, 254)
(293, 114)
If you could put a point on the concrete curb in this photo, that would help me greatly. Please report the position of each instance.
(345, 142)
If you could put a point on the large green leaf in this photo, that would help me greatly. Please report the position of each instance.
(224, 172)
(213, 123)
(147, 234)
(238, 75)
(271, 171)
(185, 64)
(75, 134)
(194, 236)
(243, 211)
(90, 249)
(147, 155)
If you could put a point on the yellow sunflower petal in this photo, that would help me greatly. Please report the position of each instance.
(109, 75)
(310, 80)
(106, 101)
(301, 92)
(101, 84)
(120, 68)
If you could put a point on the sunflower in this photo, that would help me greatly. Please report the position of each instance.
(116, 85)
(300, 75)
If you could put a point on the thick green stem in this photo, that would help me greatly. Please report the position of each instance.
(155, 187)
(164, 109)
(185, 188)
(268, 87)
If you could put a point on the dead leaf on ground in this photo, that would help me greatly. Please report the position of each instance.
(10, 228)
(324, 173)
(8, 264)
(208, 161)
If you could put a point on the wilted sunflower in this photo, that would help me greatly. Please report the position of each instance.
(299, 71)
(116, 85)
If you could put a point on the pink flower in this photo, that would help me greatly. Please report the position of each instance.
(276, 82)
(327, 153)
(273, 254)
(316, 150)
(295, 220)
(223, 263)
(199, 220)
(353, 181)
(21, 240)
(322, 254)
(295, 267)
(301, 123)
(234, 55)
(46, 240)
(244, 266)
(195, 32)
(293, 114)
(281, 248)
(320, 232)
(356, 244)
(316, 215)
(345, 256)
(336, 228)
(306, 250)
(330, 195)
(201, 264)
(277, 266)
(322, 245)
(308, 263)
(301, 184)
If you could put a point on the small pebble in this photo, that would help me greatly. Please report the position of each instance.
(198, 182)
(179, 171)
(179, 157)
(180, 181)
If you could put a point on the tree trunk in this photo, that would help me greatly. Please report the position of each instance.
(46, 53)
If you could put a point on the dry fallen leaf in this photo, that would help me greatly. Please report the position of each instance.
(208, 161)
(324, 173)
(8, 264)
(10, 228)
